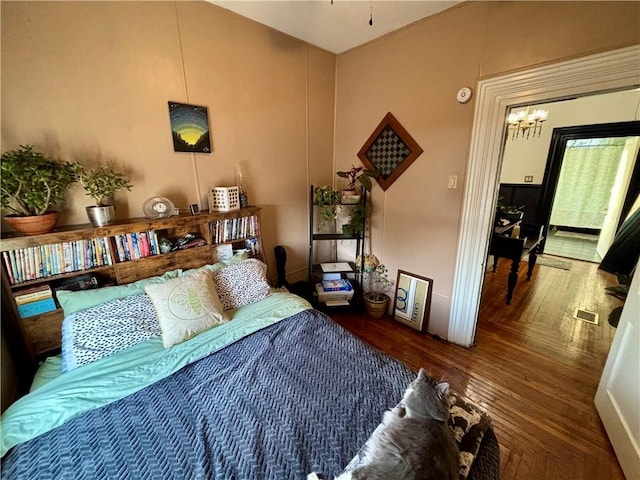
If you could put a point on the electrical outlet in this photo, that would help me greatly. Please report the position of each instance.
(528, 179)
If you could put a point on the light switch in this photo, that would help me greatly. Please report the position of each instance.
(528, 179)
(453, 181)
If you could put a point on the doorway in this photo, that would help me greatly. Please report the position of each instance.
(591, 180)
(608, 71)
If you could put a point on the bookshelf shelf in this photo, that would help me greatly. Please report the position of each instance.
(110, 264)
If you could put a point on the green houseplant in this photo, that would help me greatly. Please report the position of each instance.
(328, 200)
(355, 226)
(353, 176)
(32, 186)
(100, 183)
(376, 282)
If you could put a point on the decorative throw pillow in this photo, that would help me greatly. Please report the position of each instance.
(468, 424)
(186, 306)
(241, 283)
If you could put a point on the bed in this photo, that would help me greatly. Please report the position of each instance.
(275, 390)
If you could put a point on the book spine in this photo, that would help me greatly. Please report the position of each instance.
(7, 264)
(107, 249)
(31, 263)
(14, 267)
(32, 297)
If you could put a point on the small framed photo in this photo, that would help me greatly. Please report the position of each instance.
(412, 300)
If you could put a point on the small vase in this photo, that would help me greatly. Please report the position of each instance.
(99, 216)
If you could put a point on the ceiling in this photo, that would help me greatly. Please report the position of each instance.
(338, 26)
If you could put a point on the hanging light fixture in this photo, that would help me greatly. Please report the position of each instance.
(523, 121)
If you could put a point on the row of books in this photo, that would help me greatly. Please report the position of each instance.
(34, 301)
(131, 246)
(234, 229)
(32, 263)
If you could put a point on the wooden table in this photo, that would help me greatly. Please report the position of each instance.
(515, 248)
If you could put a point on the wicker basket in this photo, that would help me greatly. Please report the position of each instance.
(376, 308)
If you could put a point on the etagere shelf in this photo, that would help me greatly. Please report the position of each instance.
(130, 250)
(315, 238)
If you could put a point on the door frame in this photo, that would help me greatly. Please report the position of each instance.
(558, 144)
(605, 72)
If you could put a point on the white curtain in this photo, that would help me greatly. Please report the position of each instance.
(587, 175)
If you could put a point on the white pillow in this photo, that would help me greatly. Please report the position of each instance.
(186, 306)
(242, 283)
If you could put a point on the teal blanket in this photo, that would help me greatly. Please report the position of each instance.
(56, 398)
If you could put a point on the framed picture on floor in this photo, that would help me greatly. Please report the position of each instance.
(412, 301)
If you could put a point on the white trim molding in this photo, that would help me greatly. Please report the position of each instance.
(609, 71)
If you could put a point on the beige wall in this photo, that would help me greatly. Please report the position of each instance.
(415, 74)
(90, 81)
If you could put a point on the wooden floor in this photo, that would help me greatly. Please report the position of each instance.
(535, 369)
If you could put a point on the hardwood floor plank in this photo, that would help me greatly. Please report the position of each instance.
(534, 368)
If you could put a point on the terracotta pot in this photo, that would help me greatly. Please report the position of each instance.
(375, 308)
(34, 225)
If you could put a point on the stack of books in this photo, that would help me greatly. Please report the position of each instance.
(34, 301)
(334, 292)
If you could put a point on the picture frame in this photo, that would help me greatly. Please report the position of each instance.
(412, 300)
(390, 150)
(190, 128)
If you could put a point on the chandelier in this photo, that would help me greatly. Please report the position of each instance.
(523, 122)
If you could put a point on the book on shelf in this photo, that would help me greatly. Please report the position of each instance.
(33, 294)
(336, 267)
(37, 307)
(341, 284)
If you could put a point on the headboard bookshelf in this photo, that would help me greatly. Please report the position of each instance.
(121, 253)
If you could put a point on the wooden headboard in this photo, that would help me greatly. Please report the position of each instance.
(121, 253)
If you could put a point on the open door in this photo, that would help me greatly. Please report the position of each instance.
(618, 193)
(618, 394)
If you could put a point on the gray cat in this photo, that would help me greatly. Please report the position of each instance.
(415, 442)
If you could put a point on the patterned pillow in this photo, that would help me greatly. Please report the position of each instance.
(186, 306)
(101, 330)
(242, 283)
(468, 424)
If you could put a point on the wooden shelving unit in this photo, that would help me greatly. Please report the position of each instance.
(20, 331)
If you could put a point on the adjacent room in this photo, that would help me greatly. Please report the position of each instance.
(269, 219)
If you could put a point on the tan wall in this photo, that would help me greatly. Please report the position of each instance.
(90, 81)
(415, 74)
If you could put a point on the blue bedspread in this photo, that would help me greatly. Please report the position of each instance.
(301, 395)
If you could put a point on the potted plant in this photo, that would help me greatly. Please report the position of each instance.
(101, 183)
(328, 200)
(355, 226)
(376, 280)
(354, 176)
(32, 186)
